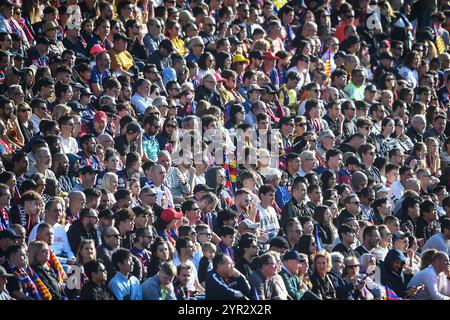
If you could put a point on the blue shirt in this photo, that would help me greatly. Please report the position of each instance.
(97, 77)
(151, 290)
(151, 147)
(125, 288)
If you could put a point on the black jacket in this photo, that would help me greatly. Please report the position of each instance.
(50, 279)
(345, 252)
(92, 291)
(77, 233)
(395, 280)
(293, 209)
(213, 97)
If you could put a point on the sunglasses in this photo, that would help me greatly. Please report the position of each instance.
(173, 126)
(24, 110)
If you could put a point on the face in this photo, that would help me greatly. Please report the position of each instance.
(204, 236)
(163, 252)
(228, 240)
(42, 255)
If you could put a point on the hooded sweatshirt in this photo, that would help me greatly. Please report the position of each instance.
(395, 280)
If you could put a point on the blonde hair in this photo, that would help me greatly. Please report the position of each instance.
(261, 44)
(33, 249)
(322, 254)
(209, 247)
(61, 110)
(107, 181)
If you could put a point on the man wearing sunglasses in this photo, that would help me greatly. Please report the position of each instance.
(96, 288)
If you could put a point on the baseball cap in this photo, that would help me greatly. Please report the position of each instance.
(386, 55)
(9, 234)
(202, 187)
(97, 49)
(293, 255)
(398, 235)
(270, 56)
(218, 77)
(133, 127)
(106, 213)
(256, 54)
(254, 87)
(100, 116)
(240, 58)
(49, 25)
(43, 40)
(234, 40)
(86, 92)
(268, 89)
(76, 106)
(249, 224)
(121, 36)
(88, 169)
(170, 214)
(371, 88)
(4, 274)
(160, 101)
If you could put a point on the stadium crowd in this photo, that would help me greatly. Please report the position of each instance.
(224, 149)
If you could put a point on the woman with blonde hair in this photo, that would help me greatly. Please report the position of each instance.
(38, 258)
(61, 110)
(322, 284)
(432, 158)
(110, 182)
(261, 44)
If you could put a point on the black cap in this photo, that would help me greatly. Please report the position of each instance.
(76, 106)
(86, 92)
(371, 87)
(133, 127)
(88, 169)
(106, 214)
(293, 255)
(234, 40)
(43, 40)
(121, 35)
(9, 234)
(386, 55)
(202, 187)
(256, 54)
(268, 89)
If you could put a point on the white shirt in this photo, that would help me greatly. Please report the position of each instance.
(60, 244)
(396, 192)
(436, 285)
(304, 77)
(68, 145)
(35, 120)
(437, 242)
(268, 220)
(176, 261)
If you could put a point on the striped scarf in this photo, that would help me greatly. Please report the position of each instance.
(56, 265)
(31, 283)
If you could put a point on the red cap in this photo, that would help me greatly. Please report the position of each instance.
(100, 116)
(170, 214)
(218, 77)
(270, 55)
(97, 49)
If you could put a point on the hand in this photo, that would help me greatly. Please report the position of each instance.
(71, 262)
(340, 117)
(412, 291)
(236, 273)
(192, 171)
(413, 164)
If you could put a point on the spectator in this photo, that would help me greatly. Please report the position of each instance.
(123, 285)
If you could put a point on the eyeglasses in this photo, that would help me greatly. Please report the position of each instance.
(353, 266)
(173, 126)
(24, 110)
